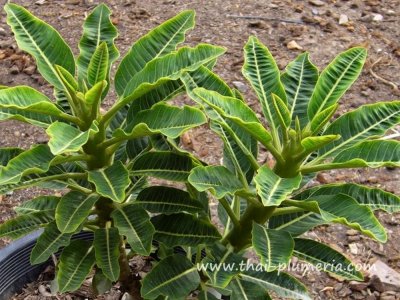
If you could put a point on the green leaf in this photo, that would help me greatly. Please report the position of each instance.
(205, 295)
(299, 80)
(281, 283)
(367, 121)
(261, 71)
(37, 204)
(6, 154)
(101, 283)
(274, 247)
(76, 262)
(371, 154)
(328, 259)
(341, 208)
(48, 243)
(161, 40)
(171, 121)
(245, 290)
(111, 182)
(282, 112)
(336, 79)
(24, 224)
(371, 197)
(221, 264)
(73, 209)
(169, 67)
(33, 36)
(97, 29)
(167, 200)
(35, 160)
(184, 229)
(240, 149)
(65, 138)
(322, 118)
(133, 222)
(313, 143)
(98, 65)
(236, 111)
(175, 277)
(296, 223)
(67, 79)
(26, 104)
(106, 245)
(218, 179)
(272, 188)
(165, 165)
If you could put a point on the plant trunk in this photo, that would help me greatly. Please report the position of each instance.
(130, 283)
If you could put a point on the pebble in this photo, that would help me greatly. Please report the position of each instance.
(353, 248)
(292, 45)
(14, 70)
(358, 286)
(343, 19)
(317, 2)
(2, 31)
(240, 86)
(377, 18)
(30, 70)
(389, 277)
(352, 232)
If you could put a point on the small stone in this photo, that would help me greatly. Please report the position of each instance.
(14, 70)
(317, 2)
(40, 2)
(258, 24)
(353, 248)
(343, 19)
(240, 86)
(388, 296)
(30, 70)
(292, 45)
(17, 133)
(2, 31)
(352, 232)
(377, 18)
(389, 277)
(358, 286)
(354, 238)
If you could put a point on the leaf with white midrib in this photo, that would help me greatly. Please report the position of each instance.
(272, 188)
(111, 182)
(106, 245)
(31, 34)
(281, 283)
(374, 198)
(133, 222)
(48, 243)
(322, 255)
(159, 41)
(174, 276)
(184, 229)
(73, 209)
(76, 262)
(160, 199)
(366, 121)
(274, 247)
(348, 73)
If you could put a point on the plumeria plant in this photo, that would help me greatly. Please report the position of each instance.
(102, 162)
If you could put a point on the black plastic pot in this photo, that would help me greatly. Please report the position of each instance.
(15, 267)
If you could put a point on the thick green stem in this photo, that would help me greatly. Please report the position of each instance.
(240, 236)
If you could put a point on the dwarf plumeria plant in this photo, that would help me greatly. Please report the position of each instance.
(103, 160)
(267, 208)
